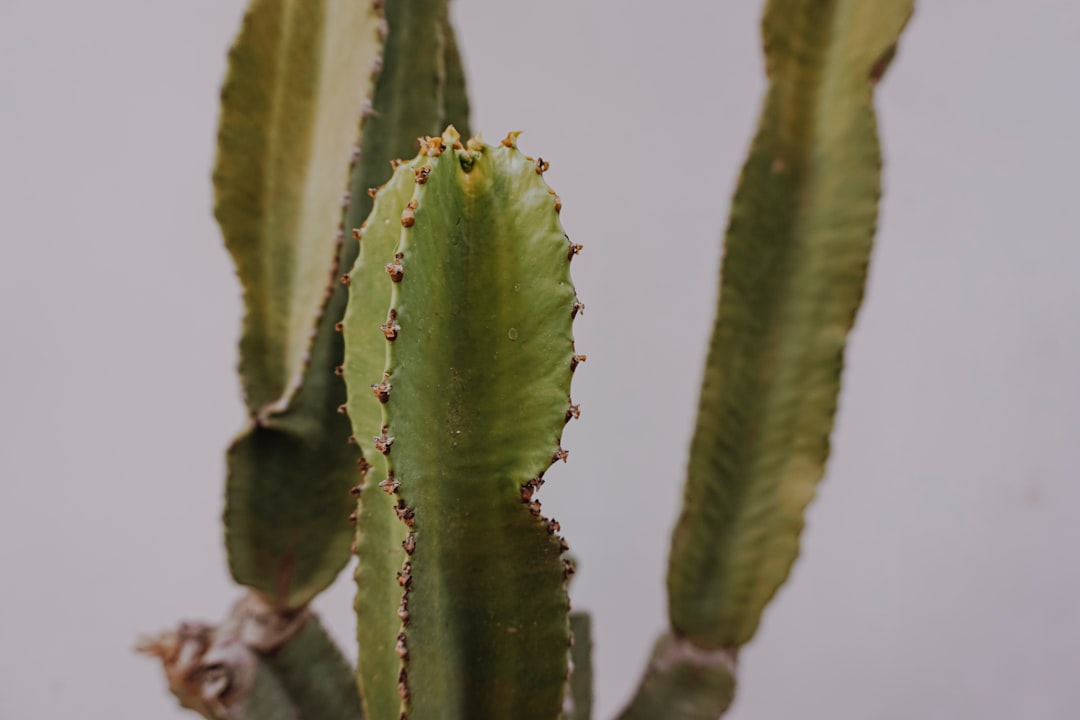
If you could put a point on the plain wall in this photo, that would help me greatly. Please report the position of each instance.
(938, 576)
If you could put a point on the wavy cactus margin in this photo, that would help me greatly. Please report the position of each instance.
(451, 327)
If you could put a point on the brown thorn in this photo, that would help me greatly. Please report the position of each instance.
(346, 198)
(408, 215)
(352, 518)
(383, 441)
(403, 685)
(542, 166)
(357, 234)
(403, 611)
(534, 507)
(401, 649)
(382, 389)
(563, 545)
(560, 454)
(409, 543)
(577, 360)
(573, 413)
(346, 280)
(421, 174)
(553, 526)
(373, 191)
(568, 570)
(343, 409)
(395, 269)
(578, 309)
(339, 370)
(573, 250)
(404, 578)
(363, 465)
(396, 163)
(339, 326)
(355, 490)
(390, 485)
(390, 328)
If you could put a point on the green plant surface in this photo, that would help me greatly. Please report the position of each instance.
(581, 672)
(318, 681)
(683, 683)
(480, 369)
(299, 75)
(794, 269)
(421, 80)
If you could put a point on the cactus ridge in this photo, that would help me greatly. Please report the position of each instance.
(421, 87)
(476, 385)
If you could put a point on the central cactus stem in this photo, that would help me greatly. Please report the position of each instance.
(463, 607)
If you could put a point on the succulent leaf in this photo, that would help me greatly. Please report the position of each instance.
(481, 370)
(795, 259)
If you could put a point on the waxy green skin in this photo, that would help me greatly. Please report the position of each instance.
(420, 90)
(794, 270)
(480, 372)
(299, 75)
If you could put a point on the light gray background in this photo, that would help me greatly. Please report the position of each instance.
(939, 576)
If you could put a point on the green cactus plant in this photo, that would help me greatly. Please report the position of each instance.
(438, 288)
